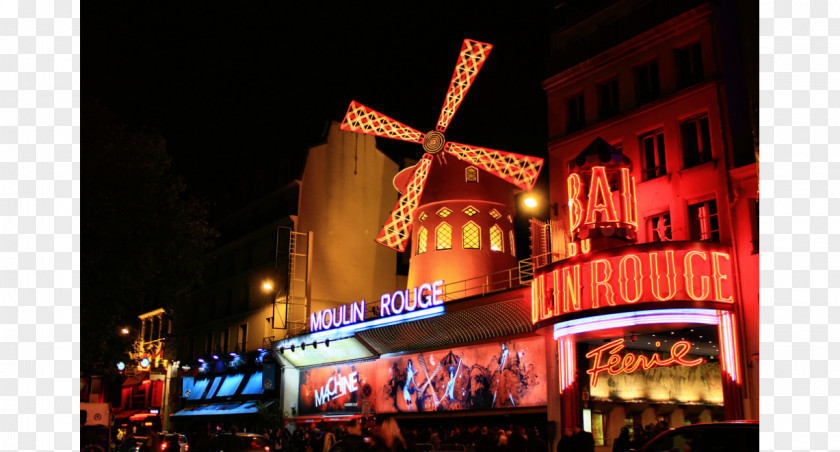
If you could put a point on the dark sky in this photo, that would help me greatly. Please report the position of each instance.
(231, 86)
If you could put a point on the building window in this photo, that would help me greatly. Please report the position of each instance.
(242, 340)
(422, 240)
(696, 143)
(512, 244)
(472, 174)
(659, 227)
(704, 221)
(444, 212)
(689, 62)
(470, 211)
(471, 234)
(647, 82)
(223, 341)
(575, 113)
(423, 216)
(496, 241)
(608, 99)
(443, 237)
(653, 154)
(495, 214)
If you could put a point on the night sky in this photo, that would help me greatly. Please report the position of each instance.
(241, 87)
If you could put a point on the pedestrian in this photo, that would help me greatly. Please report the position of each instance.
(582, 441)
(352, 440)
(622, 443)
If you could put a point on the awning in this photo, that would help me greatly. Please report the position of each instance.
(126, 414)
(135, 380)
(324, 418)
(221, 409)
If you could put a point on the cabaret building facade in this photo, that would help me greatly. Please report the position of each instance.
(639, 303)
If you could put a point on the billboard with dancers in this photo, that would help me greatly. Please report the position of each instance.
(506, 374)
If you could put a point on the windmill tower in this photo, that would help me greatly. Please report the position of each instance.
(457, 201)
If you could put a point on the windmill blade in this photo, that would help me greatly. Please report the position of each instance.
(397, 229)
(473, 54)
(520, 170)
(368, 121)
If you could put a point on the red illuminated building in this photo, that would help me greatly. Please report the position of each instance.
(641, 300)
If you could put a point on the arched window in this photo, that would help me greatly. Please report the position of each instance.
(512, 244)
(443, 237)
(471, 234)
(422, 239)
(472, 174)
(497, 242)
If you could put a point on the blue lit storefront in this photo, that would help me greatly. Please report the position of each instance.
(222, 393)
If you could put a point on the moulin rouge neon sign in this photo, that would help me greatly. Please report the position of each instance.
(631, 362)
(642, 273)
(400, 302)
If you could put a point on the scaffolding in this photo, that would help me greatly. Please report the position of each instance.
(291, 305)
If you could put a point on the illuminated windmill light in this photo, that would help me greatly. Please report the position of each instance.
(520, 170)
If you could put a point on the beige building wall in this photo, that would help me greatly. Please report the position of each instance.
(346, 195)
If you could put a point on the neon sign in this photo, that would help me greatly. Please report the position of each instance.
(398, 303)
(641, 273)
(602, 207)
(631, 362)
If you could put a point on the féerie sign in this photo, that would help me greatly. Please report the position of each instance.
(631, 362)
(400, 302)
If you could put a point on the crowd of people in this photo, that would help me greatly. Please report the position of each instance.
(389, 436)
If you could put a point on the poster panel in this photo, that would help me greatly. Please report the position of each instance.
(334, 389)
(506, 374)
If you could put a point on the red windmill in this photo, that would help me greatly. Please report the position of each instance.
(519, 170)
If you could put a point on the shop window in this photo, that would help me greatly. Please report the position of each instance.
(704, 221)
(422, 239)
(575, 119)
(472, 174)
(689, 62)
(471, 235)
(496, 239)
(647, 82)
(470, 211)
(659, 227)
(696, 142)
(512, 244)
(443, 237)
(608, 99)
(598, 428)
(653, 154)
(444, 212)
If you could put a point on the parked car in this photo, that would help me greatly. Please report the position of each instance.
(241, 441)
(173, 442)
(719, 436)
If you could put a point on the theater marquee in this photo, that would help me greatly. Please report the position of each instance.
(668, 272)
